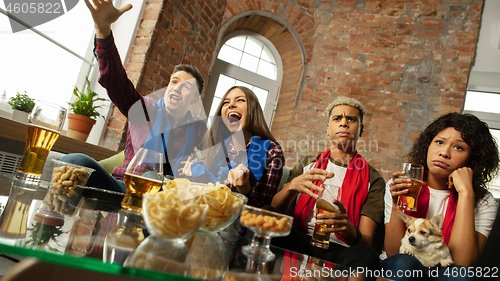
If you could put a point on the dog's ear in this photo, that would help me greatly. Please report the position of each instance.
(406, 218)
(437, 221)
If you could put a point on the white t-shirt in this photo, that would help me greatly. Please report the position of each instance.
(337, 180)
(484, 213)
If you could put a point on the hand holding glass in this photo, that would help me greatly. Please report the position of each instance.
(325, 205)
(144, 174)
(415, 172)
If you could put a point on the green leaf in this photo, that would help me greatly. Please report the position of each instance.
(84, 102)
(22, 102)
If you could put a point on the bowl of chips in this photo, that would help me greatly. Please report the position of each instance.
(168, 216)
(224, 206)
(219, 219)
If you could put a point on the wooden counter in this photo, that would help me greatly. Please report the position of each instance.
(17, 131)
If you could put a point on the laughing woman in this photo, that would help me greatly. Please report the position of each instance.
(239, 150)
(460, 157)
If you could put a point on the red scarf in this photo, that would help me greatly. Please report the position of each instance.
(354, 192)
(423, 206)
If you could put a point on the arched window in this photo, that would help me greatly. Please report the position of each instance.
(250, 60)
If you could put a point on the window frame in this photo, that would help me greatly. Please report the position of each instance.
(493, 121)
(236, 72)
(124, 29)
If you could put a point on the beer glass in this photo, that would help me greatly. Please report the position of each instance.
(325, 205)
(415, 172)
(143, 174)
(44, 125)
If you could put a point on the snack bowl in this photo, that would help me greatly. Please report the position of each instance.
(219, 219)
(170, 218)
(265, 223)
(170, 221)
(224, 206)
(65, 176)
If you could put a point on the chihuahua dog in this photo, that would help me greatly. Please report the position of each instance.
(424, 240)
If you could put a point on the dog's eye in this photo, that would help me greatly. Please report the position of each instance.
(423, 232)
(408, 229)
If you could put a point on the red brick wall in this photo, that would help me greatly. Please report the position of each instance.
(407, 61)
(170, 32)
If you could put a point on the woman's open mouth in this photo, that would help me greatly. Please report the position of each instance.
(234, 117)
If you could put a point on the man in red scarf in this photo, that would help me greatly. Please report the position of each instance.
(362, 206)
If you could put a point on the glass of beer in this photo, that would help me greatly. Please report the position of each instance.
(415, 172)
(45, 123)
(325, 205)
(143, 174)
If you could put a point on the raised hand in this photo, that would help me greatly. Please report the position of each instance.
(304, 183)
(104, 14)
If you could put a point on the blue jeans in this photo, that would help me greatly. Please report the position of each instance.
(100, 178)
(405, 267)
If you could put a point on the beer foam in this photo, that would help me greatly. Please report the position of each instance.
(327, 206)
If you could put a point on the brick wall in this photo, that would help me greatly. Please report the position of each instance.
(170, 32)
(407, 61)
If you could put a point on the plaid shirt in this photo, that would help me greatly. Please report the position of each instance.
(122, 93)
(264, 190)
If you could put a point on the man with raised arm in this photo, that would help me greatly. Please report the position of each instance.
(165, 125)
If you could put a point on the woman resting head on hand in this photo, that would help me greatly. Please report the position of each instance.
(460, 157)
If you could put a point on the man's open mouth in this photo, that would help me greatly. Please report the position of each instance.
(174, 98)
(234, 117)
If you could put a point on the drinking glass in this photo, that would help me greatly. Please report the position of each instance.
(124, 237)
(45, 123)
(143, 174)
(325, 205)
(415, 172)
(44, 126)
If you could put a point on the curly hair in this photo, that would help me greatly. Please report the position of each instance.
(484, 158)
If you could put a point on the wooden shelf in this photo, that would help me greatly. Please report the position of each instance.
(17, 131)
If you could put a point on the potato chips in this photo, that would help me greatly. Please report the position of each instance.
(182, 196)
(169, 216)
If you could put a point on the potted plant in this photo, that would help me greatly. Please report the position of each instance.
(84, 113)
(21, 105)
